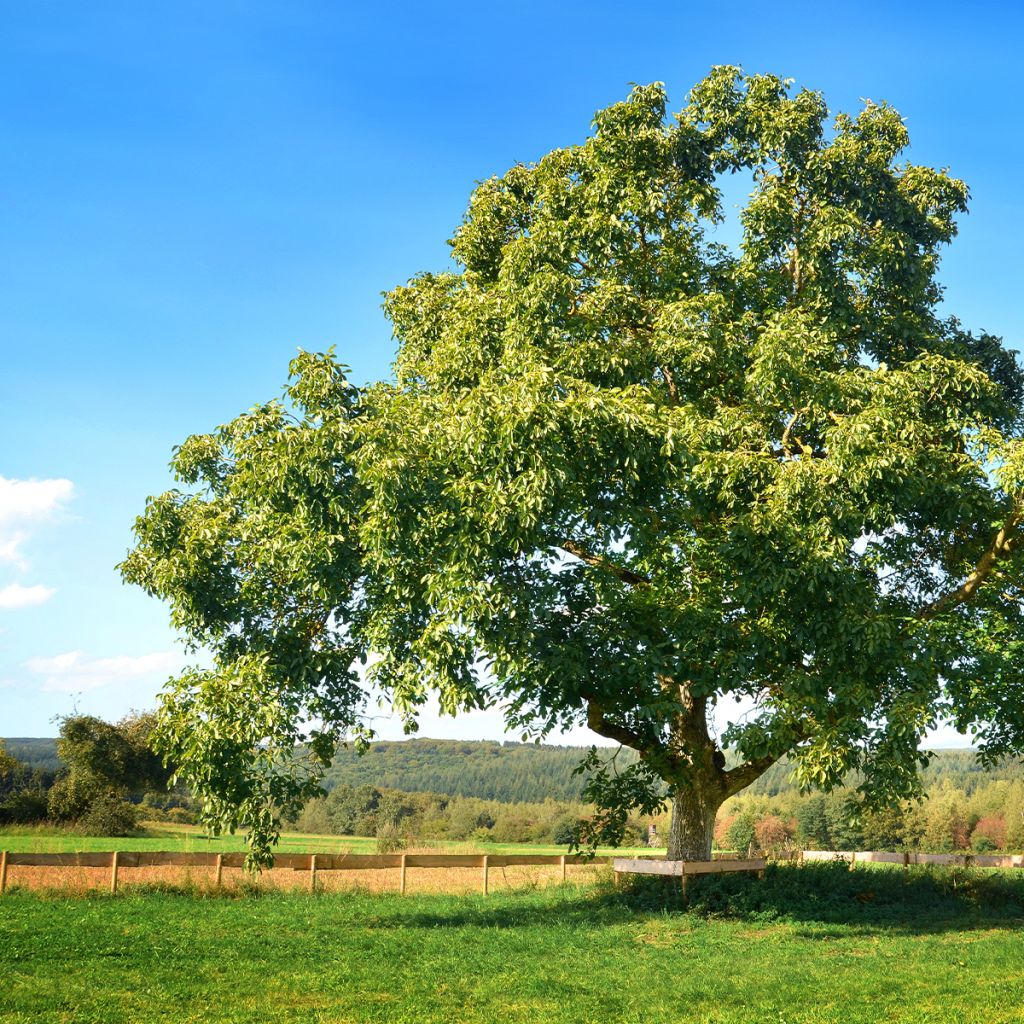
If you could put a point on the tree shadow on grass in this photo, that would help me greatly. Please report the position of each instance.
(918, 901)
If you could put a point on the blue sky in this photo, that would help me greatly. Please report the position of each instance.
(190, 192)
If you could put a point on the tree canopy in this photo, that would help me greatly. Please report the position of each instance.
(636, 460)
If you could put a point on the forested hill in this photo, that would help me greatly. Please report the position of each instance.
(510, 772)
(523, 772)
(530, 773)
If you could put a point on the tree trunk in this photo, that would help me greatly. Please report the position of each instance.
(693, 822)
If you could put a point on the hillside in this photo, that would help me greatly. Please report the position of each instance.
(523, 772)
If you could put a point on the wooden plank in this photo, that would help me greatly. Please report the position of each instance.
(635, 866)
(679, 868)
(312, 873)
(219, 878)
(484, 865)
(114, 860)
(61, 860)
(401, 881)
(3, 872)
(357, 861)
(508, 860)
(722, 867)
(443, 860)
(563, 868)
(880, 857)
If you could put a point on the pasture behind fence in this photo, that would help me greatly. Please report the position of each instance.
(312, 864)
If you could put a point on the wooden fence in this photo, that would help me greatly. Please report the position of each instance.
(311, 863)
(961, 860)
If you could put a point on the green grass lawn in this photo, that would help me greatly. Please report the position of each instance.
(190, 838)
(811, 944)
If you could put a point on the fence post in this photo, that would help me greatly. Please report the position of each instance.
(401, 880)
(113, 872)
(3, 872)
(312, 872)
(220, 869)
(485, 874)
(562, 861)
(853, 860)
(682, 879)
(906, 860)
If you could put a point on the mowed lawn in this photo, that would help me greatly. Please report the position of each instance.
(810, 944)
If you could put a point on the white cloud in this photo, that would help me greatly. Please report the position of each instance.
(74, 672)
(24, 503)
(14, 595)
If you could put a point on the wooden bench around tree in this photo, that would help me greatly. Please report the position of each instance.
(683, 869)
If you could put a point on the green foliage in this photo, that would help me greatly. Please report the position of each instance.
(741, 834)
(107, 815)
(624, 472)
(8, 763)
(391, 838)
(106, 764)
(812, 824)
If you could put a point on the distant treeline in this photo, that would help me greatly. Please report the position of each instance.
(528, 772)
(424, 789)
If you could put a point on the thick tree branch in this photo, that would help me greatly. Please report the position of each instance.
(743, 775)
(580, 552)
(610, 731)
(1002, 545)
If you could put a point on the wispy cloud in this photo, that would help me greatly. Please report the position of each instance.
(24, 504)
(74, 672)
(14, 595)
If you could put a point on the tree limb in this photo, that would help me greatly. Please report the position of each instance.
(743, 775)
(1002, 545)
(580, 552)
(609, 730)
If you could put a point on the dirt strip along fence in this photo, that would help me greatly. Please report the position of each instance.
(959, 860)
(312, 864)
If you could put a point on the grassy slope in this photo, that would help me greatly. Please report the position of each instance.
(815, 944)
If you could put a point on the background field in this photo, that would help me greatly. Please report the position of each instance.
(813, 944)
(192, 839)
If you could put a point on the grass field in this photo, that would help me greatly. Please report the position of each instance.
(813, 944)
(190, 838)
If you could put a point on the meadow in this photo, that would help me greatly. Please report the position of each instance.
(810, 944)
(193, 839)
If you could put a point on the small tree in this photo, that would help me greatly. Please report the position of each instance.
(772, 834)
(812, 824)
(623, 475)
(741, 834)
(988, 834)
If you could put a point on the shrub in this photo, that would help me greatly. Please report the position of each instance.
(109, 816)
(24, 808)
(390, 838)
(989, 834)
(565, 833)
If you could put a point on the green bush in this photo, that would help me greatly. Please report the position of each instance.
(109, 816)
(391, 838)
